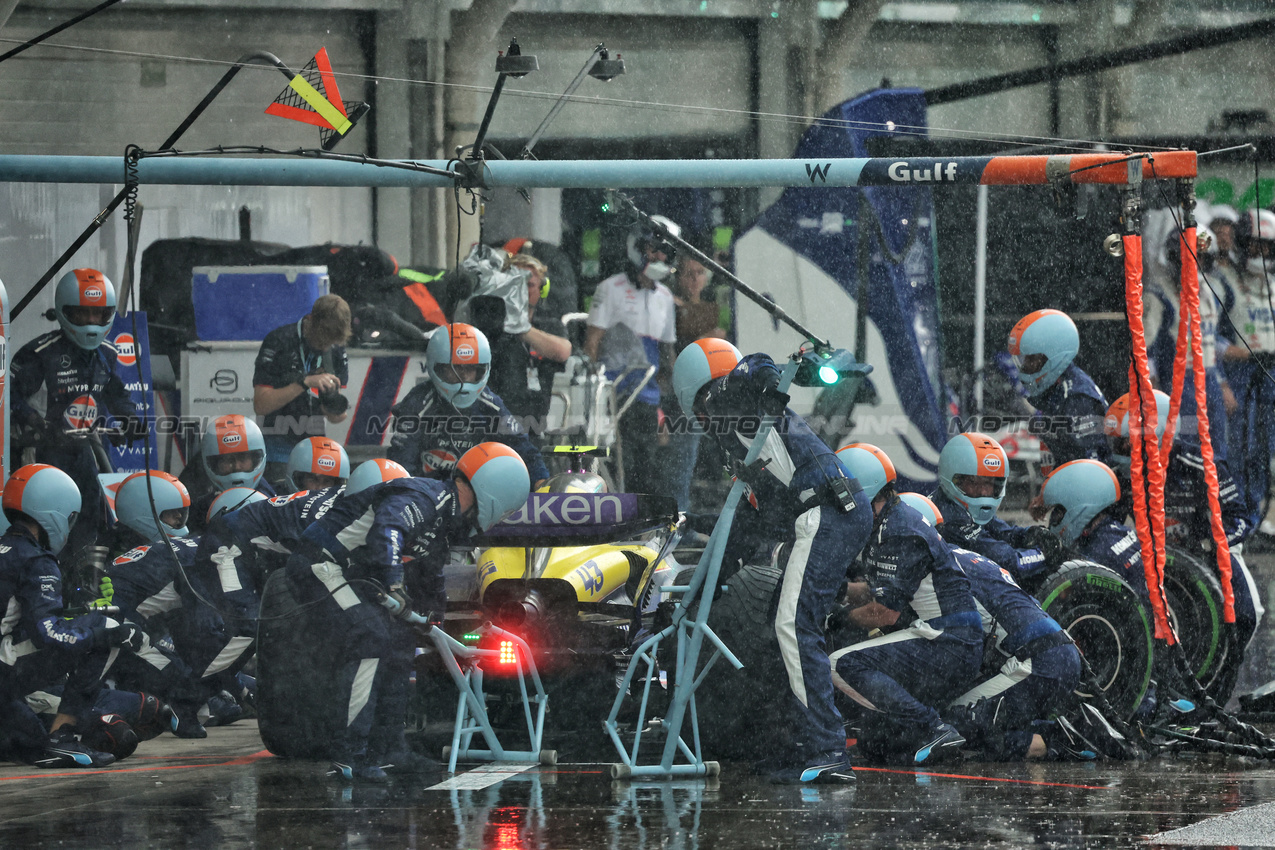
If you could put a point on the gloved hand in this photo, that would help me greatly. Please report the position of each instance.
(1049, 544)
(125, 635)
(399, 595)
(106, 594)
(773, 401)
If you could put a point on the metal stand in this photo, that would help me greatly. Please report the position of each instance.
(690, 626)
(471, 706)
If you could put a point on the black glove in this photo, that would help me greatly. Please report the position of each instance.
(1049, 544)
(399, 594)
(773, 401)
(124, 635)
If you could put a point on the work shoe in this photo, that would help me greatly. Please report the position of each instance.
(223, 710)
(1063, 742)
(64, 749)
(410, 763)
(354, 772)
(833, 771)
(185, 722)
(945, 742)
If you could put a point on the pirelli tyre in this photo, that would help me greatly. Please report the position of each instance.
(1110, 625)
(1194, 595)
(296, 715)
(740, 712)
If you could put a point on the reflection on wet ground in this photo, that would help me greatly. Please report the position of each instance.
(239, 797)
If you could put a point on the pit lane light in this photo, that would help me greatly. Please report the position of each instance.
(827, 367)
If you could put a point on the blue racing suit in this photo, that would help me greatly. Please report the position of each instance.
(38, 646)
(392, 535)
(148, 582)
(1076, 410)
(934, 649)
(236, 555)
(1009, 546)
(801, 492)
(430, 434)
(1042, 668)
(58, 388)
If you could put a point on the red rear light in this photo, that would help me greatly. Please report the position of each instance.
(508, 653)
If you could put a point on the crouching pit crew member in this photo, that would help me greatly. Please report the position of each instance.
(804, 496)
(390, 540)
(912, 589)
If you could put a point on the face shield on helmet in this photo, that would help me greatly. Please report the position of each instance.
(459, 360)
(700, 363)
(1076, 493)
(499, 480)
(972, 474)
(232, 500)
(922, 505)
(1043, 345)
(172, 504)
(1116, 426)
(870, 465)
(48, 496)
(317, 463)
(1255, 238)
(234, 452)
(85, 305)
(646, 244)
(375, 471)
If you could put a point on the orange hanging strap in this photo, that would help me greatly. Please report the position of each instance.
(1146, 471)
(1181, 356)
(1191, 301)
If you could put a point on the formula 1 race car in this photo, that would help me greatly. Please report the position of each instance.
(578, 574)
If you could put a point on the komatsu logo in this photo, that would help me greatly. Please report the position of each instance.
(900, 172)
(574, 509)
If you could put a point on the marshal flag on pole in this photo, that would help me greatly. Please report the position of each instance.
(313, 97)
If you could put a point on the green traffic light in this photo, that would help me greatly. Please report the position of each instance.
(828, 375)
(606, 208)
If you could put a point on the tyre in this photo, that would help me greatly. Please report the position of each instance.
(1110, 625)
(1194, 596)
(297, 716)
(741, 711)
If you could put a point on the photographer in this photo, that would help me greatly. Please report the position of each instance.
(300, 372)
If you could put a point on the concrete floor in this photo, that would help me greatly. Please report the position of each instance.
(225, 792)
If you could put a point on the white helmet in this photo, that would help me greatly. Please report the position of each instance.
(645, 235)
(1253, 228)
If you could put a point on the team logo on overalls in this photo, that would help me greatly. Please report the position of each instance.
(125, 350)
(132, 555)
(438, 460)
(81, 413)
(326, 464)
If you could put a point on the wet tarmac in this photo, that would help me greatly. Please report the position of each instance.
(226, 792)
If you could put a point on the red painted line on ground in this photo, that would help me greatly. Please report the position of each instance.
(231, 763)
(987, 778)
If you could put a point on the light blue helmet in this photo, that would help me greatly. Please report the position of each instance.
(924, 506)
(232, 500)
(1083, 489)
(233, 435)
(870, 465)
(454, 345)
(977, 463)
(499, 479)
(84, 288)
(1116, 425)
(133, 504)
(318, 456)
(1051, 334)
(375, 471)
(47, 495)
(699, 363)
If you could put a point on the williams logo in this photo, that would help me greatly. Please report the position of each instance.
(819, 171)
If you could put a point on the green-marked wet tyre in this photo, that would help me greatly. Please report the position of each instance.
(1194, 595)
(1110, 625)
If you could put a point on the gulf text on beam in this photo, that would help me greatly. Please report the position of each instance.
(598, 174)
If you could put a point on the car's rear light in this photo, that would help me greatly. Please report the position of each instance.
(508, 653)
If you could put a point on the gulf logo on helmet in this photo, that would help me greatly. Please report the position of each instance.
(92, 287)
(81, 413)
(989, 455)
(126, 350)
(231, 434)
(464, 343)
(325, 464)
(438, 460)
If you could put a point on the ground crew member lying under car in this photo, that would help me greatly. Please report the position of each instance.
(913, 589)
